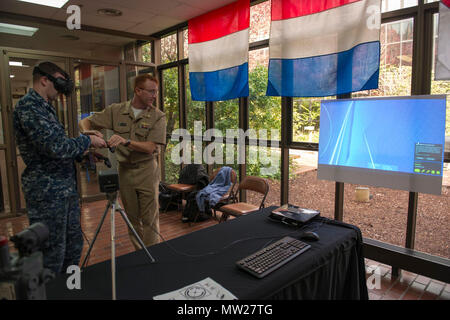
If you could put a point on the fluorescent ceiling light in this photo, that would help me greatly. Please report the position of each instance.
(17, 64)
(11, 76)
(16, 29)
(50, 3)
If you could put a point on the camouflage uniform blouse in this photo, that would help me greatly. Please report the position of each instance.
(46, 150)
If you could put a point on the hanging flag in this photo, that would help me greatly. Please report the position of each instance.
(218, 53)
(442, 69)
(321, 48)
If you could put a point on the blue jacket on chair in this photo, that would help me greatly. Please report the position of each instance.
(215, 189)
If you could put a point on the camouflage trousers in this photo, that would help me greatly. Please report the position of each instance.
(65, 242)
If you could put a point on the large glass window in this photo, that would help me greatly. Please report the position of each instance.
(306, 119)
(395, 60)
(195, 110)
(169, 48)
(305, 190)
(226, 115)
(433, 212)
(265, 162)
(260, 21)
(185, 44)
(146, 52)
(382, 207)
(138, 52)
(170, 96)
(440, 87)
(391, 5)
(227, 155)
(171, 169)
(385, 205)
(264, 111)
(96, 87)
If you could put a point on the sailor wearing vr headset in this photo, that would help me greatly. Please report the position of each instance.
(49, 179)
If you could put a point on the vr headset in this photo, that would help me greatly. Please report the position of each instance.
(64, 86)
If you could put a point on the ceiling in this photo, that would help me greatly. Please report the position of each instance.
(140, 17)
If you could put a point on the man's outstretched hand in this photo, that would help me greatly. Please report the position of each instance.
(97, 142)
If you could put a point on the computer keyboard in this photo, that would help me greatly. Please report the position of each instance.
(270, 258)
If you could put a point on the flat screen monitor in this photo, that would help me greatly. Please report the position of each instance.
(393, 142)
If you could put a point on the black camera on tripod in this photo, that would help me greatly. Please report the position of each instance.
(108, 180)
(22, 275)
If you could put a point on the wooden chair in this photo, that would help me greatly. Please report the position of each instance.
(182, 188)
(236, 209)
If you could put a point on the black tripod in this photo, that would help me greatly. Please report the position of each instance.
(115, 206)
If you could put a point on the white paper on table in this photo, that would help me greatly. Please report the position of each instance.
(206, 289)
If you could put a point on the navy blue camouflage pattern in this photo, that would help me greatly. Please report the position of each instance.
(49, 179)
(65, 241)
(46, 150)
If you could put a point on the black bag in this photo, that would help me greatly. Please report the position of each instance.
(168, 200)
(194, 174)
(191, 211)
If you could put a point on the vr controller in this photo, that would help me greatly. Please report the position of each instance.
(89, 159)
(112, 149)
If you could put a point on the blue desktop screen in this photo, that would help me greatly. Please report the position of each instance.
(394, 142)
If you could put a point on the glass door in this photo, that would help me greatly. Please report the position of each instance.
(96, 87)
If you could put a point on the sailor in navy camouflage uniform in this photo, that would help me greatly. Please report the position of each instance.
(49, 179)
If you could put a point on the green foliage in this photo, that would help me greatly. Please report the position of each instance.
(195, 109)
(172, 170)
(264, 111)
(306, 119)
(170, 94)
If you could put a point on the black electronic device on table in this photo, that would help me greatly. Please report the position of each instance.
(293, 215)
(272, 257)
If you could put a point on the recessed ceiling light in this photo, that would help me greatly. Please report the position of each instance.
(17, 29)
(49, 3)
(109, 12)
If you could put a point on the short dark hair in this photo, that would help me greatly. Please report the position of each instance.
(47, 67)
(140, 79)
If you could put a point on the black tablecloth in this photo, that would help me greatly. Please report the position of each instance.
(333, 268)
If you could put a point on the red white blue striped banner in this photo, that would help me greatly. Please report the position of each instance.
(218, 53)
(321, 48)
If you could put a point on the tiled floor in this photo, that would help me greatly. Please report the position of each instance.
(381, 284)
(409, 286)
